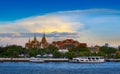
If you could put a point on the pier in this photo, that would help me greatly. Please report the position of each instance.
(112, 60)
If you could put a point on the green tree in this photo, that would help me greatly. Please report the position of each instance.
(32, 52)
(70, 55)
(108, 51)
(56, 54)
(79, 49)
(117, 56)
(51, 49)
(41, 51)
(14, 50)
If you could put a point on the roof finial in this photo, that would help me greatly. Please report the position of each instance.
(29, 40)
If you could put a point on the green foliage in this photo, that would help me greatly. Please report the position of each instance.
(117, 56)
(56, 54)
(84, 53)
(41, 51)
(108, 51)
(79, 49)
(32, 52)
(70, 55)
(14, 50)
(51, 49)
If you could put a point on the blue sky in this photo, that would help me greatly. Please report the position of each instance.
(17, 9)
(91, 21)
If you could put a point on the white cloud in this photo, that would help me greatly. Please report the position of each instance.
(47, 23)
(94, 26)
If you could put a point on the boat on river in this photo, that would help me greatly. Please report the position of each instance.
(90, 59)
(36, 60)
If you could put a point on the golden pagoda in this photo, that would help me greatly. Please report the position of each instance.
(44, 42)
(32, 44)
(36, 44)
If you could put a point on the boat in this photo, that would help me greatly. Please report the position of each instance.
(36, 60)
(90, 59)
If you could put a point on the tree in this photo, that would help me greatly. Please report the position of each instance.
(51, 49)
(32, 52)
(117, 56)
(70, 55)
(109, 51)
(41, 51)
(56, 54)
(79, 49)
(14, 50)
(3, 52)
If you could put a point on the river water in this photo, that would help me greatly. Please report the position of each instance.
(59, 68)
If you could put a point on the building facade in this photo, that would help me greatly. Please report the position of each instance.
(67, 44)
(94, 49)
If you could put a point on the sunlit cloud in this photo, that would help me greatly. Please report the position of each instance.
(46, 23)
(92, 26)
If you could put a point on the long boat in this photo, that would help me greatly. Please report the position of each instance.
(90, 59)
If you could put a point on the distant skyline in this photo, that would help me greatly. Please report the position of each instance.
(95, 22)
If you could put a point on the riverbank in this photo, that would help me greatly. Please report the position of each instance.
(27, 59)
(113, 60)
(46, 60)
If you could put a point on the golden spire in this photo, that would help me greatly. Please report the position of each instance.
(35, 38)
(44, 39)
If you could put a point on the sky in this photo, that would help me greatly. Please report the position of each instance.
(94, 22)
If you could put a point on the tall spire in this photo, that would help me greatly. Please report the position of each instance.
(29, 40)
(35, 38)
(44, 39)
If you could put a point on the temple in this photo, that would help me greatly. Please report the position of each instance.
(37, 44)
(62, 45)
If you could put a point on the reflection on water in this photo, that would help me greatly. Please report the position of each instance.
(59, 68)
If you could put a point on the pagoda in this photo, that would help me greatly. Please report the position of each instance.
(44, 42)
(37, 44)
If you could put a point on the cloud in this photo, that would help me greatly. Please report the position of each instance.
(47, 23)
(93, 26)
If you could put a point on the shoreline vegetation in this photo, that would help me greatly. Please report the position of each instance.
(19, 53)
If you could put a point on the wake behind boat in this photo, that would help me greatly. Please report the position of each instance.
(36, 60)
(91, 59)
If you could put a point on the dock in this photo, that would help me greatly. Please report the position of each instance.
(112, 60)
(14, 59)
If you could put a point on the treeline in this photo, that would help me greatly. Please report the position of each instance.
(14, 51)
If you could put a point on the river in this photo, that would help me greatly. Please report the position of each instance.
(59, 68)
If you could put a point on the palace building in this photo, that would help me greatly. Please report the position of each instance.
(68, 43)
(36, 43)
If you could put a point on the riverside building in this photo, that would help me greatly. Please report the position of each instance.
(67, 44)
